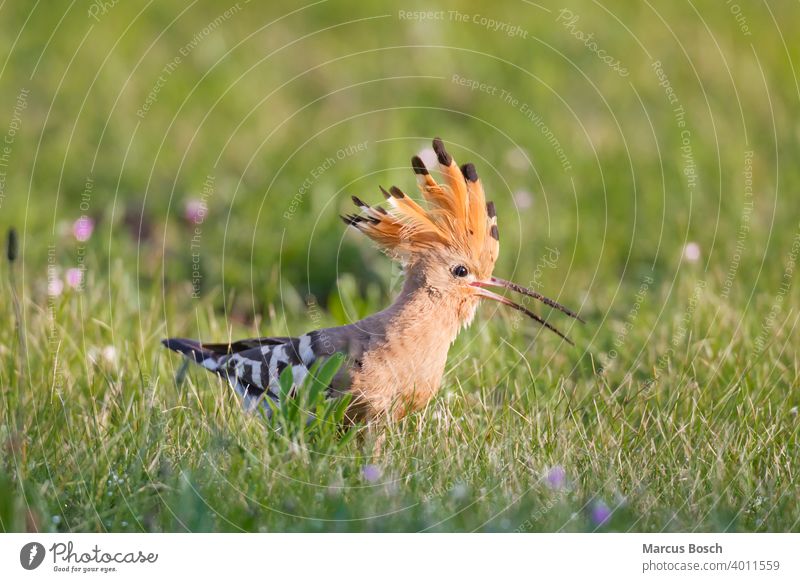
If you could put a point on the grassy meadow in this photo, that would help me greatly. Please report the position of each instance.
(178, 169)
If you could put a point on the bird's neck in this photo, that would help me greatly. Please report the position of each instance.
(403, 349)
(419, 319)
(421, 311)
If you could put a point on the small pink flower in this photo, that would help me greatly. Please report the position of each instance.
(55, 287)
(195, 211)
(428, 157)
(106, 355)
(523, 199)
(518, 159)
(691, 252)
(83, 228)
(371, 473)
(109, 354)
(74, 277)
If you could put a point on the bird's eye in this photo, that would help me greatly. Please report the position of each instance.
(460, 271)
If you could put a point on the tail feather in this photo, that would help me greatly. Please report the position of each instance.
(194, 350)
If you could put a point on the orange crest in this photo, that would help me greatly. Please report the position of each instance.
(458, 218)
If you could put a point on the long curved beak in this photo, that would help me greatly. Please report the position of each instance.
(482, 291)
(497, 282)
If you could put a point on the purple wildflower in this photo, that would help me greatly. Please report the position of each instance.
(556, 477)
(371, 473)
(195, 211)
(600, 513)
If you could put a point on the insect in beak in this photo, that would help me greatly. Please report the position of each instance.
(482, 291)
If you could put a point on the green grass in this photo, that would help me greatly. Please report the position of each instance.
(676, 410)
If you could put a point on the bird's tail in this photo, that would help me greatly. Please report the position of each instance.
(204, 356)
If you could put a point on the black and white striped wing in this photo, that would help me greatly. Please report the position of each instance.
(253, 366)
(254, 372)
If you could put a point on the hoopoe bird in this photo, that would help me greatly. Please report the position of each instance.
(394, 360)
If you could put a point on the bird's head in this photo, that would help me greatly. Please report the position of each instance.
(450, 247)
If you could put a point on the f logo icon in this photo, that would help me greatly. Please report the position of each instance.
(31, 555)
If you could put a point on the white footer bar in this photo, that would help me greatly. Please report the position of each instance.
(404, 557)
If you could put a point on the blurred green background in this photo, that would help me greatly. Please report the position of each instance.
(262, 95)
(179, 168)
